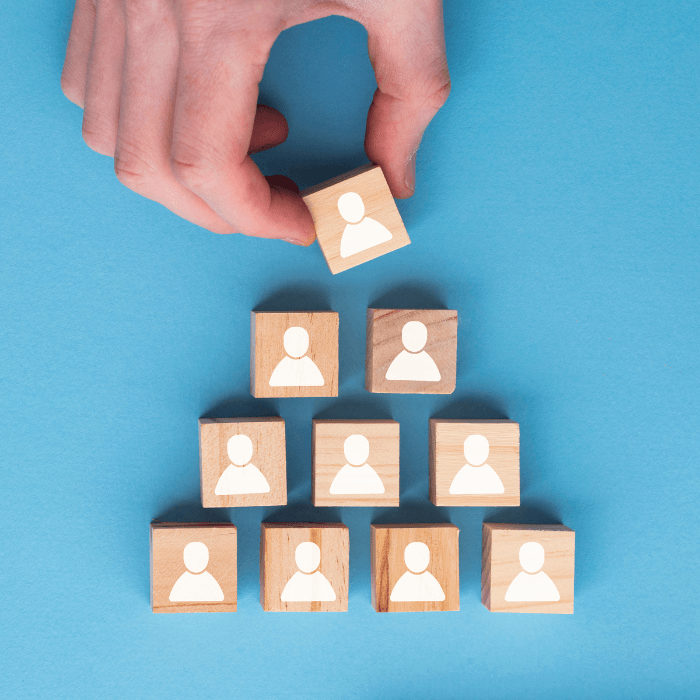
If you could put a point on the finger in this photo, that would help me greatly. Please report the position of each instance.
(104, 77)
(269, 129)
(407, 51)
(75, 64)
(215, 109)
(142, 152)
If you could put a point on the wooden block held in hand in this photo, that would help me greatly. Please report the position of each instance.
(411, 351)
(355, 463)
(242, 462)
(474, 462)
(356, 218)
(193, 567)
(293, 354)
(415, 568)
(304, 567)
(527, 568)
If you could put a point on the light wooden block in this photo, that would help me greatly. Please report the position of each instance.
(304, 567)
(415, 568)
(193, 567)
(474, 462)
(294, 354)
(527, 568)
(411, 351)
(370, 224)
(242, 462)
(355, 463)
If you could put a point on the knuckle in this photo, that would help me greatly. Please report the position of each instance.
(98, 137)
(72, 89)
(191, 166)
(438, 85)
(132, 169)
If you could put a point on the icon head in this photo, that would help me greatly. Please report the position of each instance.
(196, 556)
(240, 450)
(532, 557)
(351, 207)
(414, 336)
(476, 450)
(296, 341)
(308, 557)
(417, 557)
(356, 449)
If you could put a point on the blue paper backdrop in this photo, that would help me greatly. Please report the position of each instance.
(556, 209)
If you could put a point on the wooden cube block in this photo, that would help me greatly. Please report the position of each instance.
(411, 351)
(415, 568)
(527, 568)
(242, 462)
(474, 462)
(356, 218)
(355, 463)
(193, 567)
(294, 354)
(304, 567)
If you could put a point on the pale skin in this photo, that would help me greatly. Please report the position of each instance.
(169, 89)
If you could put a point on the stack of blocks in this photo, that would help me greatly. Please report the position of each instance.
(304, 567)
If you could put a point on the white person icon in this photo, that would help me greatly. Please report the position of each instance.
(308, 584)
(417, 584)
(413, 363)
(241, 476)
(532, 584)
(356, 477)
(476, 477)
(296, 369)
(361, 232)
(196, 585)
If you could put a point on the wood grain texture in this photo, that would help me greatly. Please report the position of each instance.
(269, 456)
(384, 344)
(447, 459)
(278, 543)
(267, 351)
(328, 458)
(388, 543)
(322, 201)
(500, 564)
(168, 541)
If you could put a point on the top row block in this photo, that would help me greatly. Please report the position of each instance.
(409, 351)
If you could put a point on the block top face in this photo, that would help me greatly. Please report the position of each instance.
(415, 567)
(356, 218)
(242, 462)
(355, 463)
(193, 567)
(528, 568)
(474, 462)
(304, 567)
(294, 354)
(411, 351)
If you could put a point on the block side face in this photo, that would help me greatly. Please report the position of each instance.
(279, 375)
(281, 569)
(395, 369)
(253, 343)
(432, 473)
(369, 350)
(512, 587)
(359, 240)
(170, 577)
(227, 485)
(493, 482)
(486, 566)
(338, 480)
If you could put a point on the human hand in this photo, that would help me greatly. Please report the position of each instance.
(169, 89)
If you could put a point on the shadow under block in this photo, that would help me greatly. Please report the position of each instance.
(388, 354)
(281, 564)
(339, 466)
(362, 223)
(310, 370)
(182, 578)
(501, 565)
(457, 462)
(217, 469)
(390, 561)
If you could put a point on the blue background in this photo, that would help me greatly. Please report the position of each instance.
(556, 209)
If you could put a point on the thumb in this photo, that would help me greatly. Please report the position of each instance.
(407, 51)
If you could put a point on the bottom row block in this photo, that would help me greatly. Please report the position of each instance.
(304, 567)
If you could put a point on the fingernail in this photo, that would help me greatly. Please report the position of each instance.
(295, 241)
(410, 178)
